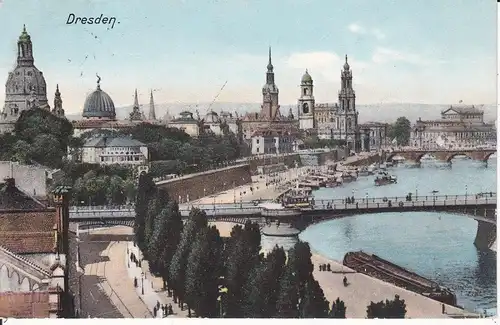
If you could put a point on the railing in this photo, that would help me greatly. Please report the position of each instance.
(335, 204)
(490, 196)
(442, 150)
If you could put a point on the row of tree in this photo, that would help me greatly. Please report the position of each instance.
(214, 277)
(228, 278)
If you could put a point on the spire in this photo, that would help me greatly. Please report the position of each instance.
(152, 113)
(346, 65)
(98, 82)
(58, 109)
(136, 101)
(58, 94)
(269, 65)
(24, 49)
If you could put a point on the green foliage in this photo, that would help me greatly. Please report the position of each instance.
(203, 272)
(389, 309)
(288, 300)
(166, 167)
(145, 190)
(338, 309)
(400, 130)
(314, 303)
(262, 287)
(242, 257)
(39, 137)
(177, 271)
(170, 239)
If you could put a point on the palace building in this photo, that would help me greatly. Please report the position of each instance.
(459, 126)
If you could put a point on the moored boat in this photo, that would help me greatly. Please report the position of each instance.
(385, 179)
(376, 267)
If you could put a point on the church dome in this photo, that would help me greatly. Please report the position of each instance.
(306, 78)
(212, 117)
(99, 105)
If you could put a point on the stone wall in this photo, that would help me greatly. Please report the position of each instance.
(195, 186)
(364, 161)
(288, 160)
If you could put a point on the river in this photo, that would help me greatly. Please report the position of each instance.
(438, 246)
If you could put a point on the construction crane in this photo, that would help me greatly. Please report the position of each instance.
(215, 98)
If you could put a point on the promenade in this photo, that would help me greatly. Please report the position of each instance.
(363, 289)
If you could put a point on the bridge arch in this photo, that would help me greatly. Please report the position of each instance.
(449, 157)
(488, 155)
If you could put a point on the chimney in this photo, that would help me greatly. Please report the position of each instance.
(10, 182)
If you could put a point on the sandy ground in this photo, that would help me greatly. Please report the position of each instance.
(363, 289)
(223, 227)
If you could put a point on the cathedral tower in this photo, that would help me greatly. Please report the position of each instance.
(136, 115)
(152, 113)
(25, 87)
(270, 105)
(306, 103)
(347, 108)
(58, 109)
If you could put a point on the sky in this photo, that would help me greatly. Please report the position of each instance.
(425, 51)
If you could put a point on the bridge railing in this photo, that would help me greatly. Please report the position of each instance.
(490, 195)
(101, 207)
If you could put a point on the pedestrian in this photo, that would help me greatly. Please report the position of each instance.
(170, 311)
(328, 267)
(443, 308)
(157, 304)
(135, 282)
(155, 311)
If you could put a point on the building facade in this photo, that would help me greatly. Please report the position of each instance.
(331, 120)
(34, 255)
(459, 126)
(25, 87)
(373, 136)
(105, 150)
(272, 141)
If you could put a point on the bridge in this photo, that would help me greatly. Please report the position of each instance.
(480, 207)
(440, 154)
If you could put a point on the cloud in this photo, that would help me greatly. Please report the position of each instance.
(383, 55)
(378, 33)
(356, 28)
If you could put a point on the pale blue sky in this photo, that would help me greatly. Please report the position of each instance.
(426, 51)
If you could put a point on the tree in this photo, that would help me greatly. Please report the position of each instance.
(177, 270)
(314, 303)
(242, 258)
(158, 241)
(338, 309)
(400, 130)
(171, 239)
(262, 287)
(287, 305)
(145, 190)
(203, 272)
(389, 309)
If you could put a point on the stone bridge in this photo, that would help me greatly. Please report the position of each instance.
(442, 155)
(481, 208)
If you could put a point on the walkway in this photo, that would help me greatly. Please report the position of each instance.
(152, 286)
(105, 294)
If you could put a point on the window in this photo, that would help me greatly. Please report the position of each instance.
(258, 149)
(305, 91)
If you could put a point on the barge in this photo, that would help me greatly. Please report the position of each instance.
(381, 269)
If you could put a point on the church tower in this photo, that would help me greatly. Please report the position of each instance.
(347, 108)
(306, 103)
(25, 87)
(58, 109)
(136, 115)
(270, 105)
(152, 113)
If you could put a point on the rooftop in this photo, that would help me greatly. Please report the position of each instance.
(12, 198)
(110, 141)
(24, 304)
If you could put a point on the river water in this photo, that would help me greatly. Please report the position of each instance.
(438, 246)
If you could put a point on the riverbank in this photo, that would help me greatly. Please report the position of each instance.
(363, 289)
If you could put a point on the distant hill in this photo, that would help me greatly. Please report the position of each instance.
(371, 112)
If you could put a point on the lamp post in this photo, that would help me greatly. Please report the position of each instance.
(234, 192)
(465, 193)
(142, 282)
(416, 193)
(366, 197)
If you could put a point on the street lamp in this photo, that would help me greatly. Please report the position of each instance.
(465, 193)
(366, 197)
(142, 282)
(234, 192)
